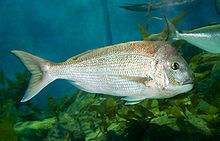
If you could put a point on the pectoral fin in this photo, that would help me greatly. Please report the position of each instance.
(141, 80)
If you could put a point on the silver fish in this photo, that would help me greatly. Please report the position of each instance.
(155, 5)
(206, 38)
(134, 70)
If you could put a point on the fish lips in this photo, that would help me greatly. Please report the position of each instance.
(188, 81)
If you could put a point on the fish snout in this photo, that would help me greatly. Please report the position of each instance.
(189, 80)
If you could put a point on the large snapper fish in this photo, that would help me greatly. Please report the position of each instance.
(134, 70)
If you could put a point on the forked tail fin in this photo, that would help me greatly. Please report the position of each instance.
(39, 69)
(173, 32)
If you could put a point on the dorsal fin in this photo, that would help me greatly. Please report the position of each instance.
(77, 56)
(175, 21)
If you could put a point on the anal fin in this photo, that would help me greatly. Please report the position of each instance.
(131, 100)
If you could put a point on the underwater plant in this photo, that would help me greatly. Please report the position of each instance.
(7, 131)
(10, 95)
(56, 106)
(11, 110)
(10, 92)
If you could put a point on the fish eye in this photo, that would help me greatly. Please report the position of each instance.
(175, 66)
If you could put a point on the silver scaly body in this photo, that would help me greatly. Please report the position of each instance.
(135, 70)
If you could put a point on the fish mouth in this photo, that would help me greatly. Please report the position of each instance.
(189, 81)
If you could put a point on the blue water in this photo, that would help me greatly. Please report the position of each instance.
(59, 29)
(56, 30)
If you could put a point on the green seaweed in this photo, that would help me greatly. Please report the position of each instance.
(7, 131)
(11, 110)
(144, 32)
(56, 106)
(10, 94)
(203, 59)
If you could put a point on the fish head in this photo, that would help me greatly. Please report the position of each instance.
(173, 74)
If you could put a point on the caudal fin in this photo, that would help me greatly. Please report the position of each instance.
(173, 32)
(39, 69)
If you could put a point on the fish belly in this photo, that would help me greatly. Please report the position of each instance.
(210, 45)
(100, 75)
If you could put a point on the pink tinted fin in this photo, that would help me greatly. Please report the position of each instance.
(131, 100)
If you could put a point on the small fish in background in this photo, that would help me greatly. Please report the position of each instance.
(158, 18)
(134, 70)
(217, 6)
(206, 38)
(155, 5)
(162, 36)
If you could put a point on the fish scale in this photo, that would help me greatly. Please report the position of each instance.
(100, 80)
(131, 65)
